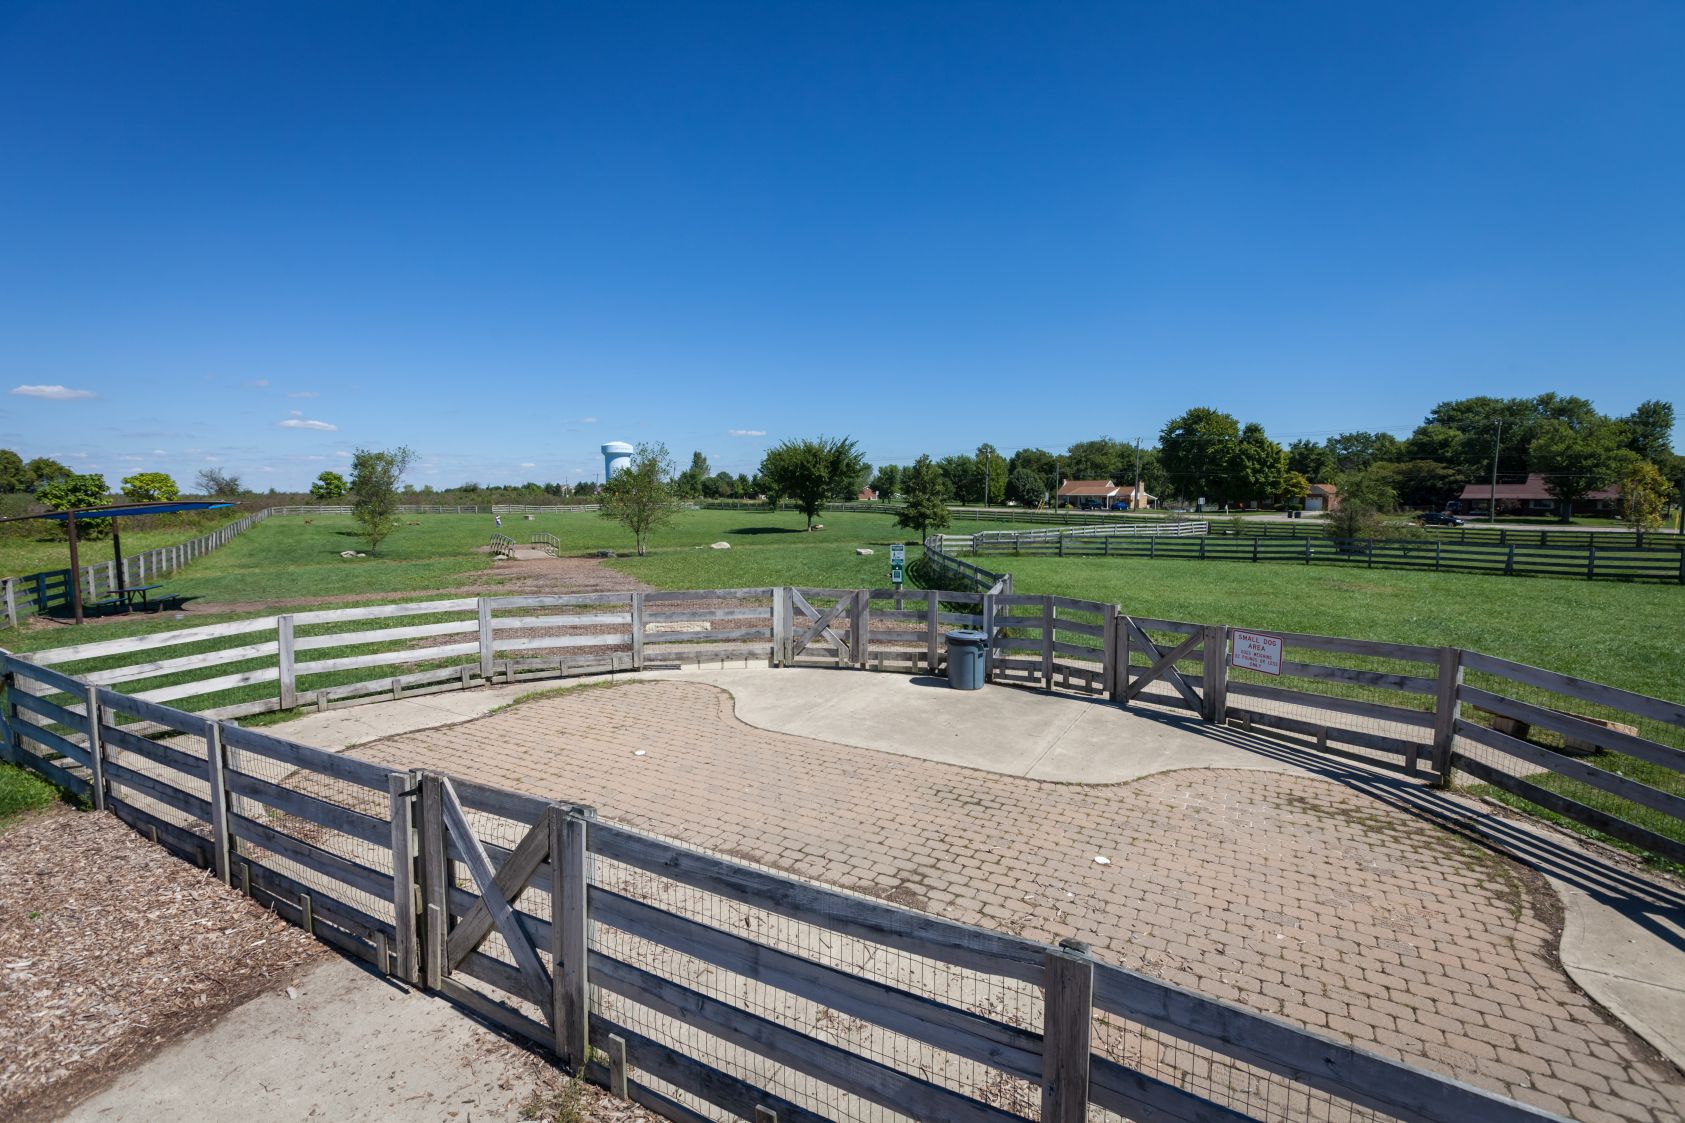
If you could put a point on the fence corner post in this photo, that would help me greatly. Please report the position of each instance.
(1068, 1018)
(637, 631)
(284, 662)
(988, 636)
(216, 768)
(401, 789)
(1110, 647)
(434, 884)
(780, 597)
(96, 746)
(1447, 708)
(932, 641)
(570, 935)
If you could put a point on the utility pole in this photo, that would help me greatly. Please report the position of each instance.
(1492, 498)
(1135, 484)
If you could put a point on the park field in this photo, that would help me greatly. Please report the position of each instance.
(1605, 631)
(40, 544)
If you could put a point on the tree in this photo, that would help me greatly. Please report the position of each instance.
(1198, 450)
(1039, 461)
(887, 482)
(1422, 483)
(1313, 461)
(811, 472)
(1649, 431)
(1026, 488)
(641, 496)
(1257, 467)
(332, 485)
(1364, 497)
(1644, 496)
(375, 476)
(1294, 488)
(689, 482)
(1353, 452)
(1578, 460)
(1098, 459)
(43, 471)
(963, 476)
(924, 499)
(218, 484)
(1438, 443)
(67, 493)
(14, 477)
(151, 487)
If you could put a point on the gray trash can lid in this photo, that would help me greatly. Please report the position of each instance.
(966, 637)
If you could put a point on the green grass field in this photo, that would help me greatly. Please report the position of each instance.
(41, 545)
(22, 792)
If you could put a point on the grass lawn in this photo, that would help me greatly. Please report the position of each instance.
(21, 792)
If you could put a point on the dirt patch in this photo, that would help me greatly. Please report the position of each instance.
(111, 948)
(535, 576)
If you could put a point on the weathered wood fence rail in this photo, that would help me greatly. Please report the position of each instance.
(690, 983)
(1593, 561)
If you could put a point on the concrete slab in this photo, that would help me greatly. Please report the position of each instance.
(348, 1046)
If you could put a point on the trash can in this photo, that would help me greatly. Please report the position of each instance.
(965, 660)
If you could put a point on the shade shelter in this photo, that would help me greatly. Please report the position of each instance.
(111, 511)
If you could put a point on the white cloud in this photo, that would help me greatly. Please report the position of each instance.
(78, 456)
(131, 458)
(159, 452)
(528, 464)
(301, 423)
(295, 413)
(266, 468)
(258, 383)
(745, 432)
(343, 453)
(582, 420)
(304, 394)
(55, 393)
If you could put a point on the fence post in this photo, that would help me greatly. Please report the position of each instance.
(569, 935)
(400, 790)
(1215, 671)
(860, 627)
(96, 750)
(1446, 710)
(638, 628)
(284, 661)
(932, 648)
(1109, 645)
(1067, 1022)
(435, 883)
(1047, 642)
(219, 798)
(780, 594)
(988, 636)
(484, 607)
(11, 603)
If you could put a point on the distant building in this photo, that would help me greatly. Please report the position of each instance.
(1102, 494)
(1322, 497)
(1532, 498)
(867, 495)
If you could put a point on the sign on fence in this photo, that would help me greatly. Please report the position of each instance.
(897, 563)
(1255, 651)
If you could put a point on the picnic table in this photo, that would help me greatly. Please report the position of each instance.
(128, 597)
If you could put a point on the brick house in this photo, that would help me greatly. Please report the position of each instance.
(1103, 494)
(1531, 498)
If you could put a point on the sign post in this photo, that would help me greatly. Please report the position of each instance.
(1255, 651)
(897, 564)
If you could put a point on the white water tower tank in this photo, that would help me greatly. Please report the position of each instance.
(616, 455)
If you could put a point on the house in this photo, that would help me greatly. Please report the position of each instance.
(1103, 494)
(1322, 497)
(867, 495)
(1532, 498)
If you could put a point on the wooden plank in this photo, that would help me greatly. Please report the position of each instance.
(487, 641)
(704, 1081)
(1132, 1094)
(515, 806)
(1655, 709)
(666, 597)
(1374, 742)
(1612, 739)
(217, 773)
(401, 798)
(511, 879)
(918, 933)
(1356, 707)
(154, 788)
(1300, 1055)
(560, 620)
(166, 716)
(1416, 653)
(1611, 825)
(662, 652)
(1068, 1017)
(973, 1036)
(492, 895)
(56, 774)
(1164, 664)
(833, 1065)
(376, 883)
(184, 663)
(1586, 773)
(383, 611)
(571, 1005)
(210, 685)
(158, 639)
(309, 667)
(384, 635)
(347, 768)
(1321, 672)
(495, 1012)
(700, 614)
(301, 805)
(435, 881)
(543, 643)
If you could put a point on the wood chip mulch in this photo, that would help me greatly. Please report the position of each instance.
(110, 949)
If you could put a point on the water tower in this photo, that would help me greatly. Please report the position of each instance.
(616, 455)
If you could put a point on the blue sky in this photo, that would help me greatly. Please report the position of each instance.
(503, 234)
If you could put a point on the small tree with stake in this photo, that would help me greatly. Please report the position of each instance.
(374, 490)
(924, 498)
(641, 496)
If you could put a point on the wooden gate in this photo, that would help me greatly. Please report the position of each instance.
(1198, 641)
(820, 627)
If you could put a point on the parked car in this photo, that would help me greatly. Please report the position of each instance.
(1438, 518)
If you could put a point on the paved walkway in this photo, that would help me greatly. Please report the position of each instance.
(1313, 890)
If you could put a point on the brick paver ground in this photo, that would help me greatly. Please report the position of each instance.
(1285, 892)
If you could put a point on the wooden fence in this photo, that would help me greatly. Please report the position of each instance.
(698, 986)
(1591, 562)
